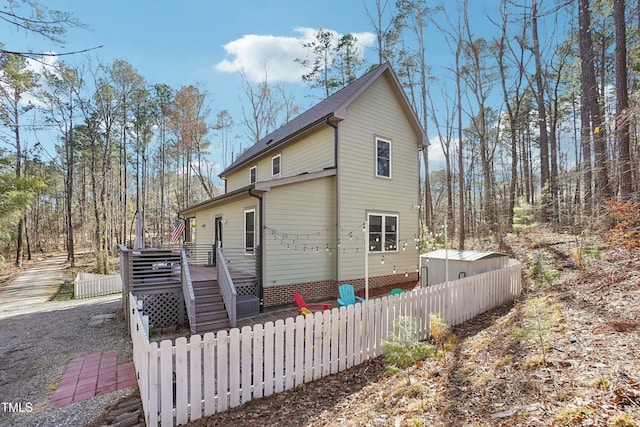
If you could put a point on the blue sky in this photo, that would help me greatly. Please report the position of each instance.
(204, 41)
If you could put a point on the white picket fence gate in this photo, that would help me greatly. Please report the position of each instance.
(205, 375)
(89, 285)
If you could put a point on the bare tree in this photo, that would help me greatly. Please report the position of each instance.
(445, 136)
(382, 20)
(512, 96)
(224, 124)
(189, 115)
(480, 77)
(269, 107)
(542, 114)
(413, 16)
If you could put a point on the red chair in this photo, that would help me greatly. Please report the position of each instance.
(301, 304)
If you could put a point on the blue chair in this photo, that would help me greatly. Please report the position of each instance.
(396, 291)
(348, 295)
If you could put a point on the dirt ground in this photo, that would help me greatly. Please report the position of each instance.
(567, 353)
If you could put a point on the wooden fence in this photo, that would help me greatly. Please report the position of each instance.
(89, 285)
(205, 375)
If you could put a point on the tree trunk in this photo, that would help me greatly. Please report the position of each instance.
(461, 216)
(542, 116)
(622, 100)
(595, 115)
(69, 188)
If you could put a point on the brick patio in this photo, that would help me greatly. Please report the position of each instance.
(93, 375)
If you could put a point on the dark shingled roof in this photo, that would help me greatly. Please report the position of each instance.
(332, 106)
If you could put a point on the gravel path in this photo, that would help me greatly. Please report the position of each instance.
(38, 338)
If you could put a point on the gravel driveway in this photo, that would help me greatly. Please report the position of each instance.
(38, 338)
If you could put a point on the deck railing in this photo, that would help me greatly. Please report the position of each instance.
(201, 254)
(187, 291)
(155, 273)
(227, 288)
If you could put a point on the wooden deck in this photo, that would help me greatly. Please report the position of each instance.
(202, 273)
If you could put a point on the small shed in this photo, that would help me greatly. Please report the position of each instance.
(450, 264)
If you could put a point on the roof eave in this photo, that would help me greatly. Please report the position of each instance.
(222, 198)
(277, 144)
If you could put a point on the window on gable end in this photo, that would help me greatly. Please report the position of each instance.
(383, 158)
(253, 174)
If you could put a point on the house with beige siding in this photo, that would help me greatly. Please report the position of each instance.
(326, 199)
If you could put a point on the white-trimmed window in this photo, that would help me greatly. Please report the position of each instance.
(253, 174)
(383, 232)
(275, 165)
(383, 158)
(250, 231)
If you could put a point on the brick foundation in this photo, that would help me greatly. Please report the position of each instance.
(328, 289)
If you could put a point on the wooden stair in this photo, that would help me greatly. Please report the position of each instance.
(210, 312)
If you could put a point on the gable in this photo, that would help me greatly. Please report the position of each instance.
(334, 107)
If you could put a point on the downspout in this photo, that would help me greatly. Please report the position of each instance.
(262, 247)
(335, 142)
(335, 165)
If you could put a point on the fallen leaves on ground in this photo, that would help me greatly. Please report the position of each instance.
(575, 363)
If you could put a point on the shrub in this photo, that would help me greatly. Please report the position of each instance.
(584, 253)
(402, 348)
(523, 216)
(539, 317)
(540, 269)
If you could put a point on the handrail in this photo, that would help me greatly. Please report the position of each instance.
(227, 288)
(187, 291)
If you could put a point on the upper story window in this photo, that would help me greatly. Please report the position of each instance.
(275, 165)
(253, 174)
(383, 233)
(383, 158)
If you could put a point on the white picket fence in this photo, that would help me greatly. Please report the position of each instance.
(205, 375)
(89, 285)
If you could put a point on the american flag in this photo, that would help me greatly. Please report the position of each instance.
(178, 229)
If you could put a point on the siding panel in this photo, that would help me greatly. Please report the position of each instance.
(313, 154)
(300, 225)
(377, 112)
(232, 229)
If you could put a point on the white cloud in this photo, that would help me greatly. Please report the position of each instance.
(274, 55)
(45, 63)
(39, 67)
(436, 154)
